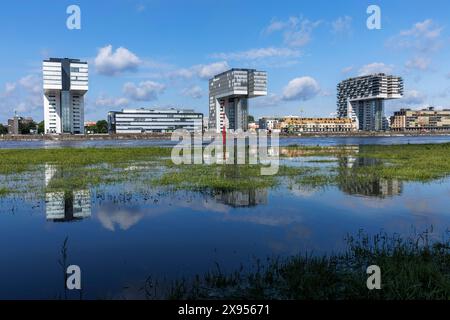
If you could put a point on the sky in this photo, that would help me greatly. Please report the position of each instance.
(161, 53)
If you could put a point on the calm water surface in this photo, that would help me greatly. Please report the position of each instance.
(121, 234)
(310, 141)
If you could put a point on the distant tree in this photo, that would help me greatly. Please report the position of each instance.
(3, 129)
(91, 129)
(101, 126)
(251, 118)
(26, 126)
(41, 127)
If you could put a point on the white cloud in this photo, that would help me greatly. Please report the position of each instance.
(202, 71)
(276, 25)
(31, 83)
(104, 101)
(418, 63)
(303, 88)
(342, 25)
(413, 97)
(144, 91)
(122, 218)
(259, 53)
(297, 31)
(9, 88)
(194, 92)
(347, 69)
(375, 67)
(271, 100)
(423, 36)
(109, 62)
(210, 70)
(426, 29)
(23, 96)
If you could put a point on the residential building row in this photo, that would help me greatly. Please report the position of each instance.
(295, 124)
(428, 119)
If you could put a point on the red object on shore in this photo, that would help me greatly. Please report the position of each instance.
(224, 140)
(224, 136)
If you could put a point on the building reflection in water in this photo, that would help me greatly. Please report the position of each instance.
(245, 198)
(374, 186)
(67, 205)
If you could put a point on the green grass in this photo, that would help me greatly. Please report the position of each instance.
(224, 177)
(409, 162)
(4, 191)
(87, 167)
(411, 268)
(20, 160)
(420, 163)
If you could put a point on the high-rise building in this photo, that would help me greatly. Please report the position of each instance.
(228, 97)
(65, 84)
(362, 98)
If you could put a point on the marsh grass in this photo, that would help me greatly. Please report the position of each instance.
(414, 267)
(225, 177)
(20, 160)
(418, 163)
(152, 166)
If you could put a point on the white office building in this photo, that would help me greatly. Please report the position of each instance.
(65, 84)
(362, 98)
(154, 120)
(228, 97)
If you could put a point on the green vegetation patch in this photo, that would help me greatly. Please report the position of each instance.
(411, 268)
(224, 177)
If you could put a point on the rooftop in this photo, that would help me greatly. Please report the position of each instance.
(236, 69)
(64, 59)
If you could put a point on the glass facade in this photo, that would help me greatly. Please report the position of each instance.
(66, 112)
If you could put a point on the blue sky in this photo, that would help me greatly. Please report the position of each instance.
(161, 53)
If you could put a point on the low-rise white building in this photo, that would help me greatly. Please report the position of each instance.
(154, 120)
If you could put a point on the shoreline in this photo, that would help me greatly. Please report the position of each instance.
(167, 136)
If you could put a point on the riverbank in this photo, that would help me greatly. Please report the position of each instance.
(167, 136)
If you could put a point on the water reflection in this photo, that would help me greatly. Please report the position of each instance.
(350, 183)
(65, 205)
(246, 198)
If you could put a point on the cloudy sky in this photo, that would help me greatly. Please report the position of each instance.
(146, 53)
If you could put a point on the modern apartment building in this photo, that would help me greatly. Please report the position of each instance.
(228, 97)
(154, 120)
(317, 125)
(65, 84)
(362, 98)
(421, 120)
